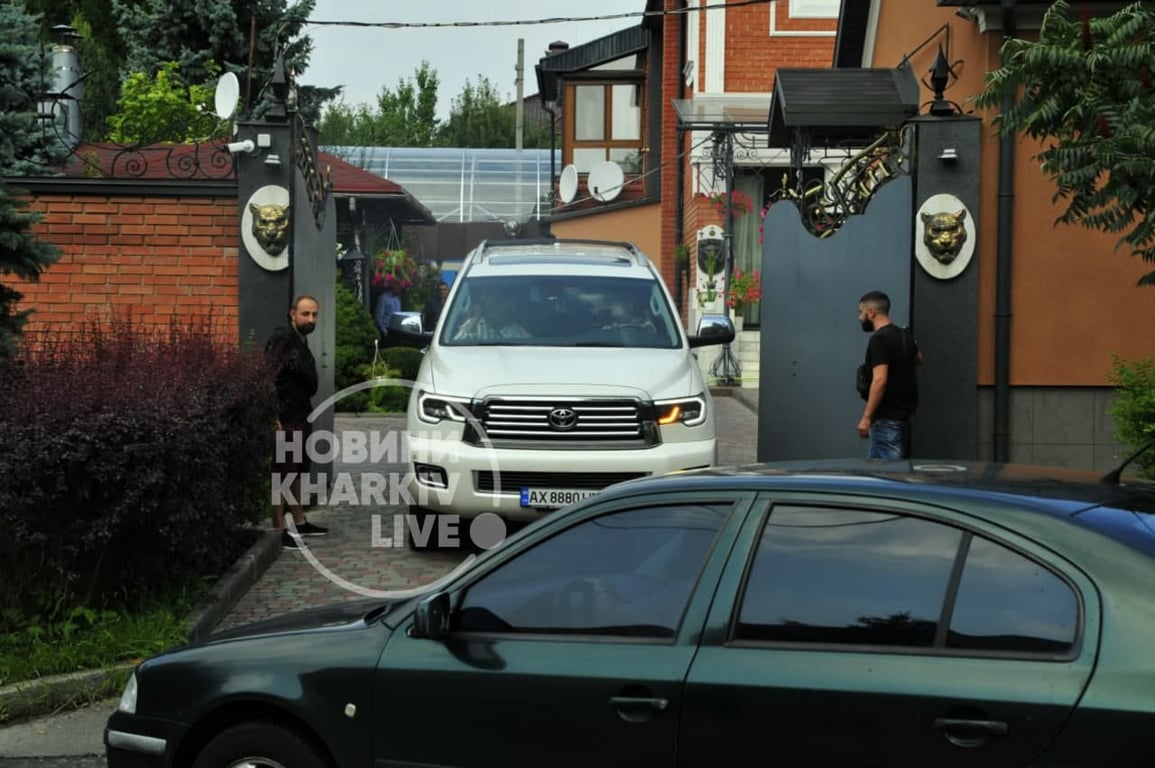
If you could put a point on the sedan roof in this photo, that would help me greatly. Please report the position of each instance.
(1056, 492)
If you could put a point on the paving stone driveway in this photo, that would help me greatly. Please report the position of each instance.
(292, 583)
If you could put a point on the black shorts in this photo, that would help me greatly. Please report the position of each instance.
(290, 448)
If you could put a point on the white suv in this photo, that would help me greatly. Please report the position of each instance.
(558, 368)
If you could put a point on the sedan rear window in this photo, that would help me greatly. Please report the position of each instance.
(851, 577)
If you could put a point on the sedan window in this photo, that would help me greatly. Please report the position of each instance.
(848, 577)
(1009, 603)
(629, 573)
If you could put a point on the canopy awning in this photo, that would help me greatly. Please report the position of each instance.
(745, 113)
(840, 107)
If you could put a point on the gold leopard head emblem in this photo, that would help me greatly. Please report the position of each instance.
(945, 234)
(270, 226)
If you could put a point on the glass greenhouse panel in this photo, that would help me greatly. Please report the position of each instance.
(463, 185)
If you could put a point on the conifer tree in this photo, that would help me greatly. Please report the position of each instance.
(26, 149)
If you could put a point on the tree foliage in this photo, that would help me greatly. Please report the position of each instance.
(406, 116)
(25, 149)
(163, 109)
(478, 118)
(1086, 88)
(101, 51)
(123, 37)
(1133, 408)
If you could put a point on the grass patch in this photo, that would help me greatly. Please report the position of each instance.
(87, 638)
(96, 639)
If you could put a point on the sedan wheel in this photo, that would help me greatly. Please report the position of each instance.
(259, 745)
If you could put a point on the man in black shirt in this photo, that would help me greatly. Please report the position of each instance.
(296, 383)
(892, 357)
(434, 306)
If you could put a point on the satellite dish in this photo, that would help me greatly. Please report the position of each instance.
(568, 184)
(605, 180)
(228, 92)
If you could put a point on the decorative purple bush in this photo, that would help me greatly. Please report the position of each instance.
(130, 454)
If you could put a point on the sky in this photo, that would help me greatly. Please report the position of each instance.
(365, 59)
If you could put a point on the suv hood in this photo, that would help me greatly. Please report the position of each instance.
(650, 374)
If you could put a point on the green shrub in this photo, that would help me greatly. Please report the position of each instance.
(1133, 409)
(384, 398)
(356, 332)
(405, 360)
(132, 453)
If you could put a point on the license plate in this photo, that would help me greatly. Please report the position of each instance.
(554, 497)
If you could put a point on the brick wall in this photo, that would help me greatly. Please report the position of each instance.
(154, 258)
(671, 147)
(752, 59)
(753, 56)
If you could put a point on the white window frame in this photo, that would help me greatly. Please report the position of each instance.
(814, 9)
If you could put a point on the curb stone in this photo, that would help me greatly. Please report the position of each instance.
(232, 585)
(49, 695)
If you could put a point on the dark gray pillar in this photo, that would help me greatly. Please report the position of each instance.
(277, 171)
(265, 294)
(944, 294)
(314, 271)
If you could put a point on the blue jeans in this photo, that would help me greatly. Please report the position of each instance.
(887, 439)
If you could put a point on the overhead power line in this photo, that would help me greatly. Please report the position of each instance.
(523, 22)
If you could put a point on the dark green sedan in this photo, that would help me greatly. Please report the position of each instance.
(804, 614)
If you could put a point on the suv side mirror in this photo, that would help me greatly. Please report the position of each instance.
(431, 619)
(713, 329)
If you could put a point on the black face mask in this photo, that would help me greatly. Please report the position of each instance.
(306, 328)
(867, 326)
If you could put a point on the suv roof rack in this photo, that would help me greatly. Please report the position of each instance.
(485, 245)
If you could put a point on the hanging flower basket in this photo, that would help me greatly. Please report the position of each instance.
(395, 267)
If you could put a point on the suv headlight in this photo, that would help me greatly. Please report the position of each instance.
(128, 697)
(434, 409)
(690, 411)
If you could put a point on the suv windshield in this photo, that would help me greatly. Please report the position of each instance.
(560, 311)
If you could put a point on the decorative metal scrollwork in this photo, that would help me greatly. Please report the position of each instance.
(147, 158)
(825, 207)
(722, 154)
(306, 160)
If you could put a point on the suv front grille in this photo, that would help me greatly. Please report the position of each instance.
(512, 482)
(548, 423)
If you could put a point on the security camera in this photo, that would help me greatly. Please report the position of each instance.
(247, 146)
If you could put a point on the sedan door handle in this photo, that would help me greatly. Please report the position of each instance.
(639, 702)
(970, 733)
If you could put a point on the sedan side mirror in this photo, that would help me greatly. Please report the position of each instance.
(431, 619)
(713, 329)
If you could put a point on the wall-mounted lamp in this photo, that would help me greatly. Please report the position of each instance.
(247, 146)
(949, 156)
(967, 13)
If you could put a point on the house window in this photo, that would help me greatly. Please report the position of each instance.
(607, 125)
(814, 9)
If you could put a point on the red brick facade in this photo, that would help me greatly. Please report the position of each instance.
(154, 258)
(752, 59)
